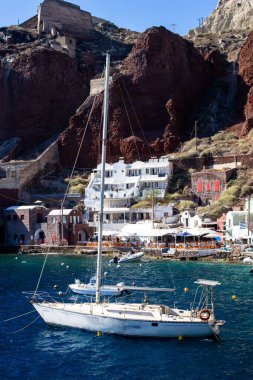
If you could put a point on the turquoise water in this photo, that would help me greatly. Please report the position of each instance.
(43, 352)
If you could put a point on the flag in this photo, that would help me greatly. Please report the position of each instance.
(243, 225)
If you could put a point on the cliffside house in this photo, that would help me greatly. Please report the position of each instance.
(123, 184)
(158, 213)
(66, 227)
(208, 185)
(26, 224)
(239, 226)
(190, 219)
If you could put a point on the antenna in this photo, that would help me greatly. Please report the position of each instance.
(201, 21)
(196, 137)
(173, 27)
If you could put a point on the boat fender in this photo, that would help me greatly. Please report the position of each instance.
(204, 314)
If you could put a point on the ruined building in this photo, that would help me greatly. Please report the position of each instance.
(66, 21)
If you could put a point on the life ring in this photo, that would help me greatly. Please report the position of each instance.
(204, 314)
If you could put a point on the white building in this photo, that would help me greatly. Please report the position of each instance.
(125, 182)
(237, 226)
(148, 213)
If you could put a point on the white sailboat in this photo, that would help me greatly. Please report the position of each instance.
(89, 289)
(131, 319)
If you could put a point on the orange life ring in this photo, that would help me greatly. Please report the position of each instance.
(204, 314)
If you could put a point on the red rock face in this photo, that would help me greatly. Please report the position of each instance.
(246, 73)
(39, 90)
(161, 79)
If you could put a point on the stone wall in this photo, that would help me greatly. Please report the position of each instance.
(200, 163)
(65, 17)
(19, 173)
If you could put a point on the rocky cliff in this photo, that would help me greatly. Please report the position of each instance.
(39, 90)
(151, 99)
(230, 15)
(158, 91)
(246, 75)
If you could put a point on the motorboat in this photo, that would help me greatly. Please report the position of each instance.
(247, 260)
(140, 319)
(130, 256)
(90, 289)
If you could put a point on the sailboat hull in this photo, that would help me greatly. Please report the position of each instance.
(92, 319)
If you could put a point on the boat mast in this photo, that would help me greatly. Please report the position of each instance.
(101, 208)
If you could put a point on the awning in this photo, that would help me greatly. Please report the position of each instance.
(199, 231)
(145, 230)
(184, 234)
(110, 233)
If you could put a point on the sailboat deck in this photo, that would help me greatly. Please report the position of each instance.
(127, 311)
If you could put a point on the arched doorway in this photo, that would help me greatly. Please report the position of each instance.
(39, 237)
(82, 236)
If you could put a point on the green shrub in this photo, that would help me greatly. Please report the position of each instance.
(246, 190)
(77, 189)
(184, 205)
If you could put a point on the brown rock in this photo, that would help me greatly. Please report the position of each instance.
(39, 90)
(161, 79)
(246, 73)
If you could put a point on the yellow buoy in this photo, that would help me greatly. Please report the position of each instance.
(99, 333)
(234, 297)
(186, 290)
(180, 338)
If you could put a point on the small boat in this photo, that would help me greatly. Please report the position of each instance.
(168, 252)
(247, 260)
(127, 257)
(225, 249)
(90, 289)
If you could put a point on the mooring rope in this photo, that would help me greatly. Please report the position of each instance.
(18, 316)
(29, 324)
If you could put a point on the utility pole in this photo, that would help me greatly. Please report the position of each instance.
(62, 223)
(173, 27)
(153, 209)
(201, 22)
(196, 137)
(249, 199)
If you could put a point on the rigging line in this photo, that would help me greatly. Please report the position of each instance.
(41, 272)
(18, 316)
(135, 113)
(29, 324)
(80, 145)
(79, 149)
(99, 138)
(129, 121)
(77, 156)
(172, 278)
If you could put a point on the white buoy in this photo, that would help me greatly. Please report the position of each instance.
(118, 266)
(105, 274)
(62, 263)
(67, 266)
(23, 262)
(140, 265)
(16, 258)
(109, 265)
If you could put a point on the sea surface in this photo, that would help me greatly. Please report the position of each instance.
(36, 351)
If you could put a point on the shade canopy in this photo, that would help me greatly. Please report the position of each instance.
(184, 233)
(110, 233)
